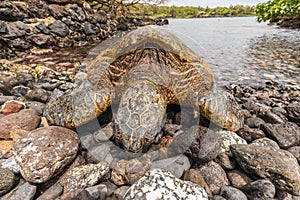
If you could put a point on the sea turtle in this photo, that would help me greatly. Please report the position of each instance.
(148, 68)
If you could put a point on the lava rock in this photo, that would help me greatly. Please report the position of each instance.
(41, 40)
(52, 193)
(7, 180)
(102, 191)
(293, 113)
(260, 189)
(85, 176)
(286, 134)
(44, 152)
(231, 193)
(195, 176)
(12, 107)
(214, 175)
(266, 142)
(280, 166)
(78, 194)
(254, 122)
(24, 191)
(250, 134)
(59, 28)
(158, 184)
(238, 179)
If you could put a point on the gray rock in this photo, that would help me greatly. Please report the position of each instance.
(176, 165)
(261, 189)
(226, 161)
(280, 166)
(41, 39)
(158, 184)
(238, 179)
(59, 28)
(293, 112)
(195, 176)
(3, 99)
(90, 29)
(20, 90)
(217, 197)
(43, 28)
(286, 134)
(266, 142)
(87, 141)
(38, 106)
(52, 193)
(85, 176)
(296, 152)
(119, 193)
(104, 133)
(102, 191)
(231, 193)
(44, 152)
(254, 122)
(10, 163)
(24, 191)
(282, 195)
(38, 94)
(7, 180)
(214, 175)
(250, 134)
(76, 194)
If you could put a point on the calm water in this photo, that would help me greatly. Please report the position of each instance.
(242, 50)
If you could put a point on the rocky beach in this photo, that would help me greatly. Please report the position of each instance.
(46, 45)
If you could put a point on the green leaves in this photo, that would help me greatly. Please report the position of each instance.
(274, 10)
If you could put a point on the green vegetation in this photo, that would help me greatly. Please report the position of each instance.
(275, 10)
(142, 10)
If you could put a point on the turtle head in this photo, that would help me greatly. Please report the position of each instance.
(221, 108)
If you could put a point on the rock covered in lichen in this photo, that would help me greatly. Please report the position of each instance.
(44, 152)
(159, 184)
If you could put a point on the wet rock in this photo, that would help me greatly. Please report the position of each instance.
(296, 152)
(59, 28)
(44, 152)
(266, 142)
(254, 122)
(280, 166)
(38, 94)
(229, 138)
(214, 175)
(52, 193)
(129, 171)
(293, 113)
(175, 165)
(250, 134)
(7, 180)
(102, 191)
(119, 193)
(24, 191)
(78, 194)
(231, 193)
(10, 163)
(286, 134)
(238, 179)
(206, 144)
(104, 133)
(84, 176)
(12, 107)
(195, 176)
(157, 184)
(260, 189)
(26, 119)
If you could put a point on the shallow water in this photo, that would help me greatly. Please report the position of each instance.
(241, 49)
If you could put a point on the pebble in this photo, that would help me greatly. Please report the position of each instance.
(229, 138)
(104, 133)
(85, 176)
(102, 191)
(38, 106)
(44, 152)
(231, 193)
(280, 166)
(195, 176)
(79, 194)
(4, 99)
(286, 134)
(214, 175)
(52, 193)
(119, 193)
(24, 191)
(13, 106)
(10, 163)
(238, 179)
(293, 112)
(254, 122)
(159, 184)
(38, 94)
(266, 142)
(260, 189)
(7, 180)
(250, 134)
(296, 152)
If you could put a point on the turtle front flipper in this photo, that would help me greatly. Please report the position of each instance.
(221, 108)
(140, 116)
(80, 106)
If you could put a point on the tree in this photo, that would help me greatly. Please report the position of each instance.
(274, 10)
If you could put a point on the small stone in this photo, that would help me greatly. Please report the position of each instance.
(260, 189)
(20, 91)
(52, 193)
(102, 152)
(38, 106)
(176, 165)
(286, 134)
(254, 122)
(229, 138)
(158, 184)
(44, 152)
(266, 142)
(26, 119)
(10, 163)
(238, 179)
(296, 152)
(4, 99)
(217, 197)
(214, 175)
(87, 141)
(282, 195)
(79, 194)
(24, 191)
(231, 193)
(102, 191)
(59, 28)
(119, 193)
(41, 40)
(12, 107)
(195, 176)
(278, 165)
(7, 180)
(84, 176)
(250, 134)
(226, 161)
(38, 94)
(129, 171)
(293, 112)
(104, 134)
